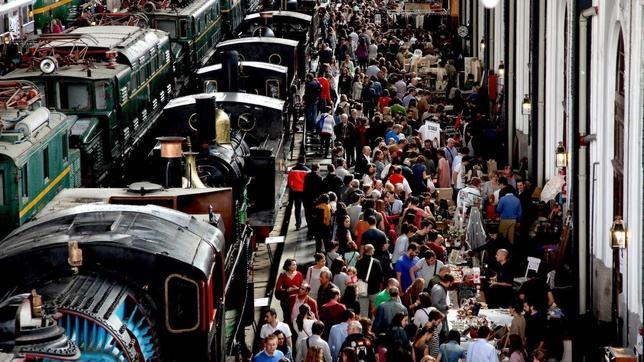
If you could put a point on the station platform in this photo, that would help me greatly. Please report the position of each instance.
(295, 246)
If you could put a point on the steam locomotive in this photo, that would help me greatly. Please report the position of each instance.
(131, 282)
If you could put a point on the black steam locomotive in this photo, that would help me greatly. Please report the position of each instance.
(129, 283)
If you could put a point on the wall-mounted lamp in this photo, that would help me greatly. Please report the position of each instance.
(501, 69)
(561, 155)
(526, 106)
(618, 233)
(490, 3)
(482, 44)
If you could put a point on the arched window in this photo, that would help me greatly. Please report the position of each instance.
(618, 138)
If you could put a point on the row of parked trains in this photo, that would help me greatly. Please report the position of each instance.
(97, 266)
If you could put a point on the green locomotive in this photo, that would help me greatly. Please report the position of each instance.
(194, 31)
(36, 161)
(116, 79)
(45, 11)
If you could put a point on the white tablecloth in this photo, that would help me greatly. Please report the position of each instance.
(498, 317)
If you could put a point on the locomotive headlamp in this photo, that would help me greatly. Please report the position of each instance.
(48, 65)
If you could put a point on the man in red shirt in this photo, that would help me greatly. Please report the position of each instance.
(325, 92)
(331, 312)
(434, 242)
(296, 188)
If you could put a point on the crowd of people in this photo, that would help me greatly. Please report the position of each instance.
(383, 213)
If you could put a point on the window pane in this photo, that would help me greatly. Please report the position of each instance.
(75, 97)
(41, 88)
(45, 162)
(168, 26)
(1, 187)
(24, 181)
(100, 93)
(183, 28)
(65, 146)
(182, 304)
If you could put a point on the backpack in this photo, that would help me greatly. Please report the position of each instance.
(362, 353)
(320, 124)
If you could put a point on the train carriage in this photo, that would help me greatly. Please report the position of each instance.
(260, 78)
(233, 11)
(36, 161)
(279, 51)
(194, 30)
(284, 24)
(116, 79)
(16, 20)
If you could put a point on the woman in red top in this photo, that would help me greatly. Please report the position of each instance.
(384, 100)
(288, 283)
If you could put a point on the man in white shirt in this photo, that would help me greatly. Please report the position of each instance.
(426, 267)
(273, 324)
(315, 340)
(460, 170)
(482, 350)
(457, 162)
(373, 69)
(394, 205)
(354, 39)
(430, 130)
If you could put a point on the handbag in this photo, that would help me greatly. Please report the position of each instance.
(363, 286)
(281, 295)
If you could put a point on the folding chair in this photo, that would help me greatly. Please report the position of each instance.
(533, 264)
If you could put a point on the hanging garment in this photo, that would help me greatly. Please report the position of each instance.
(420, 20)
(475, 232)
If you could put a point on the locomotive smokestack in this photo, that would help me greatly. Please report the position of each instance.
(230, 68)
(205, 107)
(171, 154)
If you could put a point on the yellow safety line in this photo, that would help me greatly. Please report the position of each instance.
(44, 192)
(50, 7)
(207, 30)
(146, 82)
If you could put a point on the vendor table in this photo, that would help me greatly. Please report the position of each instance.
(495, 317)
